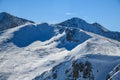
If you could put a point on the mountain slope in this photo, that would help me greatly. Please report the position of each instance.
(58, 52)
(8, 21)
(28, 61)
(84, 68)
(101, 53)
(94, 28)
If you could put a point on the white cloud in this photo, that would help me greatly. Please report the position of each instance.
(69, 13)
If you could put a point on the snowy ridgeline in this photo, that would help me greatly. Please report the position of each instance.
(71, 50)
(8, 21)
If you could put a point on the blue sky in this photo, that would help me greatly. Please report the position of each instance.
(105, 12)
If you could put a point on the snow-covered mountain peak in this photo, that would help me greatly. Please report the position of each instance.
(2, 14)
(73, 22)
(100, 26)
(77, 20)
(8, 21)
(94, 28)
(82, 24)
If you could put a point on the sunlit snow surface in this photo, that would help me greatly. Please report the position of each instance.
(29, 50)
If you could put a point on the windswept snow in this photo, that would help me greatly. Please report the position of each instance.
(52, 52)
(101, 65)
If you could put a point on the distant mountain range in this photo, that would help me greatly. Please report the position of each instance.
(70, 50)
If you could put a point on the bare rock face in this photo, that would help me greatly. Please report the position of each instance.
(8, 21)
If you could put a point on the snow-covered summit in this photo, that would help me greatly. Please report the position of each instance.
(74, 22)
(8, 21)
(94, 28)
(100, 26)
(82, 24)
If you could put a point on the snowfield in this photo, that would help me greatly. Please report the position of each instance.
(72, 50)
